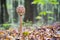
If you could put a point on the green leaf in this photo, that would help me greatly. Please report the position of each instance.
(43, 13)
(43, 2)
(6, 26)
(38, 17)
(49, 12)
(34, 2)
(52, 0)
(54, 3)
(50, 18)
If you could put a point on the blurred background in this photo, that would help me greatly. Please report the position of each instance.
(37, 12)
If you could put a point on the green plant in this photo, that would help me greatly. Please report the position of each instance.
(38, 17)
(50, 18)
(27, 24)
(43, 2)
(25, 33)
(2, 28)
(6, 26)
(45, 12)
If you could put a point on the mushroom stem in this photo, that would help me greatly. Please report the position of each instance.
(20, 25)
(20, 28)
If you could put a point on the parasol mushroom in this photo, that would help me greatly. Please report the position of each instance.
(21, 11)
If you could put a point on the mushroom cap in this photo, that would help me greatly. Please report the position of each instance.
(20, 10)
